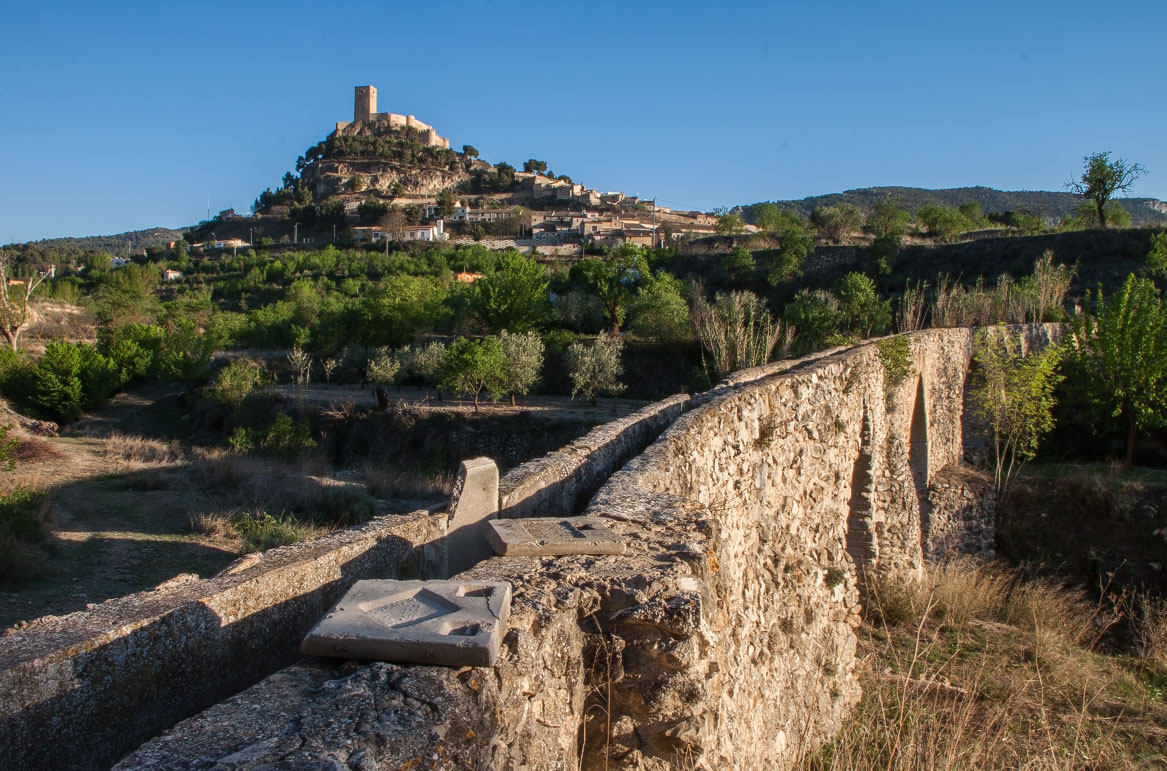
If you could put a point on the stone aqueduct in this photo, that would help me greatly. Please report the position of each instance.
(723, 638)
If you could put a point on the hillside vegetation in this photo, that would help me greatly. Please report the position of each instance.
(1054, 206)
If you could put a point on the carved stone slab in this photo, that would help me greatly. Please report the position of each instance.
(453, 623)
(547, 537)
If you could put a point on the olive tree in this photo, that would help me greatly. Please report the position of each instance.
(596, 367)
(383, 366)
(472, 366)
(523, 358)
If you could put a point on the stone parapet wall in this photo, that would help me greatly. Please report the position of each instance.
(79, 691)
(575, 623)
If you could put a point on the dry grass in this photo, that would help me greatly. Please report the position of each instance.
(300, 489)
(1035, 298)
(212, 524)
(975, 667)
(410, 484)
(138, 449)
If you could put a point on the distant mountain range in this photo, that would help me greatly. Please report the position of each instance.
(119, 244)
(1052, 206)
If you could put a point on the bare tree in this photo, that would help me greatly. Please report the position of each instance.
(14, 305)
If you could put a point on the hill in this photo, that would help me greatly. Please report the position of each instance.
(1052, 206)
(119, 244)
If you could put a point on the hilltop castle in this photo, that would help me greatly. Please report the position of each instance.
(365, 109)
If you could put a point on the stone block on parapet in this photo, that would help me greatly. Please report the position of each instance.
(552, 536)
(450, 623)
(475, 500)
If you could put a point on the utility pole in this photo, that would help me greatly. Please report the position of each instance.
(296, 233)
(654, 240)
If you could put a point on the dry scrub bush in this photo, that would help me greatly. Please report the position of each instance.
(212, 524)
(31, 449)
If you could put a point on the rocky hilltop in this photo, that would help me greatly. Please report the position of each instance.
(379, 157)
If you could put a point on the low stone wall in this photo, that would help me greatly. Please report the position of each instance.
(562, 482)
(79, 691)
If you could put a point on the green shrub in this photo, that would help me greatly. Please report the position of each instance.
(284, 438)
(16, 375)
(235, 381)
(57, 381)
(815, 316)
(739, 264)
(896, 355)
(100, 376)
(185, 354)
(264, 531)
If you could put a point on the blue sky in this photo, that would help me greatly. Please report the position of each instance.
(127, 115)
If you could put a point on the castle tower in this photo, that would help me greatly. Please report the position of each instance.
(365, 105)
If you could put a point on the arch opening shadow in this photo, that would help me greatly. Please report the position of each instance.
(859, 537)
(918, 457)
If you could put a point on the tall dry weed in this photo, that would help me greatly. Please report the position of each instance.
(966, 590)
(1151, 638)
(949, 684)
